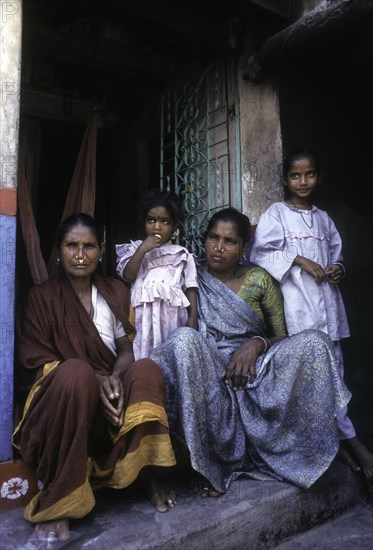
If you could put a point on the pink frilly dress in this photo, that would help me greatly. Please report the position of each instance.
(157, 294)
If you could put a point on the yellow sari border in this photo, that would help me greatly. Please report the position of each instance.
(47, 369)
(144, 411)
(154, 450)
(75, 505)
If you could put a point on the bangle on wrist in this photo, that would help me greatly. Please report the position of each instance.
(267, 343)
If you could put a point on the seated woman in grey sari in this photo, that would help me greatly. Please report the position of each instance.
(243, 398)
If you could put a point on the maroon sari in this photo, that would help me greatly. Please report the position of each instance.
(63, 433)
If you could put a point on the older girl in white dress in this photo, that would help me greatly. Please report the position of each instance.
(299, 245)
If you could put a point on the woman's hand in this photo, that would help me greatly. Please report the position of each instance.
(242, 364)
(112, 398)
(112, 394)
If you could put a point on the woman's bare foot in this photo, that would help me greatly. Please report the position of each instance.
(53, 529)
(202, 487)
(161, 496)
(362, 454)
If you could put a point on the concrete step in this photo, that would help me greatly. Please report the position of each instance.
(252, 515)
(352, 530)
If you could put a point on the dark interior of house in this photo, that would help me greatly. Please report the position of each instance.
(120, 55)
(117, 57)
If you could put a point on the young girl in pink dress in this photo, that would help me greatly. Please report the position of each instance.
(299, 245)
(163, 275)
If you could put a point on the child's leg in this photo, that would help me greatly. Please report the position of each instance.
(345, 427)
(347, 433)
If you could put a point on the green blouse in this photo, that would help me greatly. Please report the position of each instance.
(263, 295)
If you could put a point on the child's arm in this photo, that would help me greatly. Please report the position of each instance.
(191, 294)
(191, 290)
(269, 247)
(335, 272)
(132, 267)
(317, 272)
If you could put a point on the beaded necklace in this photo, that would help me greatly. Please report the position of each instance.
(303, 218)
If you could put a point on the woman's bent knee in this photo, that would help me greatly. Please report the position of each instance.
(149, 370)
(74, 373)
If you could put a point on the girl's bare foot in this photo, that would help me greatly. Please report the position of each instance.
(161, 496)
(345, 457)
(362, 454)
(53, 529)
(202, 487)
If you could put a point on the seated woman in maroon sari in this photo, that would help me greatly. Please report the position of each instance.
(93, 416)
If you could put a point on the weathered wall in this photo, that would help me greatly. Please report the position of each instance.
(261, 150)
(10, 49)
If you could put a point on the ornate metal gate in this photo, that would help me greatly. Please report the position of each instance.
(200, 148)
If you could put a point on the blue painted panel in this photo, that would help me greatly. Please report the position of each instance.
(7, 285)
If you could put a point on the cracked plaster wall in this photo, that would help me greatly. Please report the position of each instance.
(261, 146)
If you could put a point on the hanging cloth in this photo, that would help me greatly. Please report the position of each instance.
(30, 234)
(82, 192)
(80, 198)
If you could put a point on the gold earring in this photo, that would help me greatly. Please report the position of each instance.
(58, 260)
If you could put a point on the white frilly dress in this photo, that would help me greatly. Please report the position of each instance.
(157, 294)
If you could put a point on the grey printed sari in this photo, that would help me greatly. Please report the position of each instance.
(281, 426)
